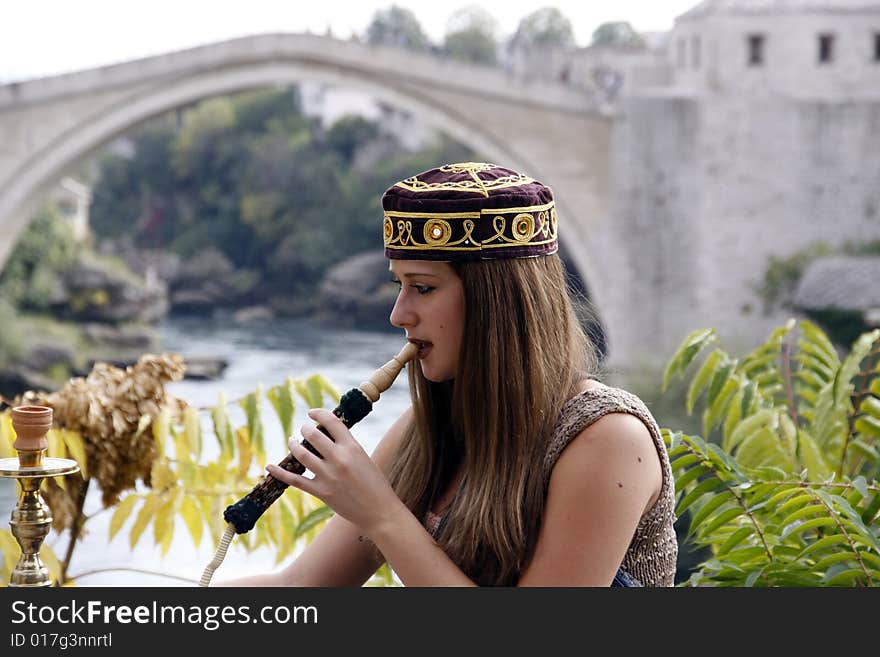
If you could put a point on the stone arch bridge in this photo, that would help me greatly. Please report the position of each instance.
(552, 132)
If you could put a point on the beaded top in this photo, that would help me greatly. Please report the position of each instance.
(653, 552)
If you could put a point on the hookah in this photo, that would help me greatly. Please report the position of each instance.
(31, 517)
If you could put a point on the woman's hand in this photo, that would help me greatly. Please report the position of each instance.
(345, 478)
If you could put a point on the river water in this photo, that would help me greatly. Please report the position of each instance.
(257, 354)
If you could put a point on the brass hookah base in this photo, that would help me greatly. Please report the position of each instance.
(31, 518)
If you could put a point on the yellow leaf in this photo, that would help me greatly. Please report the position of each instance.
(181, 449)
(188, 473)
(50, 559)
(192, 431)
(121, 513)
(189, 510)
(245, 452)
(11, 552)
(7, 436)
(288, 525)
(56, 448)
(151, 503)
(162, 476)
(222, 429)
(163, 525)
(77, 450)
(162, 429)
(273, 523)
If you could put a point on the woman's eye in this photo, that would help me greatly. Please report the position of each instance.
(421, 289)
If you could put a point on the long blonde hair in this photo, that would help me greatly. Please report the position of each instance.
(523, 353)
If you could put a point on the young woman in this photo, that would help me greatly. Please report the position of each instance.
(513, 465)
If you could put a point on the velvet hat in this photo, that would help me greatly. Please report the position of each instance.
(469, 211)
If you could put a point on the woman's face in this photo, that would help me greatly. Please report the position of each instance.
(430, 307)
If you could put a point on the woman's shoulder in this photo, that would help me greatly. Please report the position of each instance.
(599, 408)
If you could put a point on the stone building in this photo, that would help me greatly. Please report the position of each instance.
(766, 141)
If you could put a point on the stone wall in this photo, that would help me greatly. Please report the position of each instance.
(707, 190)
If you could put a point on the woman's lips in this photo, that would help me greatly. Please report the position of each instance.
(424, 347)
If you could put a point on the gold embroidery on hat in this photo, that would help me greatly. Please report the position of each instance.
(476, 184)
(499, 223)
(437, 232)
(438, 229)
(416, 185)
(460, 167)
(475, 214)
(404, 227)
(523, 227)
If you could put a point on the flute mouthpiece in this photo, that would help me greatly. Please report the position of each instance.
(410, 350)
(384, 376)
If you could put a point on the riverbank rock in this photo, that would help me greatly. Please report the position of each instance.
(204, 368)
(253, 315)
(98, 291)
(44, 356)
(208, 281)
(151, 264)
(357, 292)
(16, 379)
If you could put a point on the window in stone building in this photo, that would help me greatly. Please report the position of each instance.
(877, 46)
(756, 49)
(826, 48)
(682, 52)
(695, 51)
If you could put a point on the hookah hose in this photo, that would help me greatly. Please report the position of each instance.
(353, 407)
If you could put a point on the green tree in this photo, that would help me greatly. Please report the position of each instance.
(348, 134)
(397, 27)
(45, 249)
(471, 36)
(782, 486)
(617, 33)
(136, 194)
(545, 28)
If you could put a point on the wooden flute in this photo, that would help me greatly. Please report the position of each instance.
(353, 406)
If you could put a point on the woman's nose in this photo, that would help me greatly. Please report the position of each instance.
(401, 315)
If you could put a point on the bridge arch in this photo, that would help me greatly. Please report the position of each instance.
(533, 129)
(47, 165)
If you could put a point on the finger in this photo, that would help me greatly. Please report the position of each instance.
(304, 456)
(318, 439)
(333, 424)
(292, 479)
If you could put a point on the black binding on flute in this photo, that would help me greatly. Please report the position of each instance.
(353, 407)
